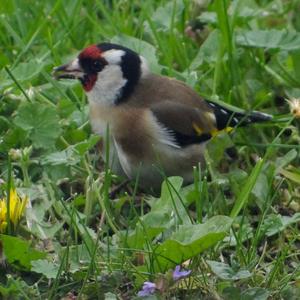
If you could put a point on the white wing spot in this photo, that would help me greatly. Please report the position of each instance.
(210, 116)
(166, 136)
(265, 115)
(163, 134)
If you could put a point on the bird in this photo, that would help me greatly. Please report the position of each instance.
(152, 126)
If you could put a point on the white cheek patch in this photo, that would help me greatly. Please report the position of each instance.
(108, 86)
(113, 56)
(144, 67)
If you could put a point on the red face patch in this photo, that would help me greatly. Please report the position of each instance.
(89, 81)
(92, 52)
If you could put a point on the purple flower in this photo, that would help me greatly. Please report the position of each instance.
(177, 274)
(148, 289)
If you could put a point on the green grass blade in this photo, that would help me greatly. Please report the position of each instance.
(242, 199)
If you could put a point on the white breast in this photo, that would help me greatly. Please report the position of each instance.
(101, 120)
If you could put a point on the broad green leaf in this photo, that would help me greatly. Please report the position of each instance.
(295, 56)
(11, 289)
(4, 124)
(45, 230)
(57, 172)
(23, 72)
(170, 187)
(255, 294)
(260, 189)
(45, 267)
(290, 292)
(65, 107)
(245, 231)
(248, 13)
(27, 70)
(78, 255)
(15, 137)
(163, 215)
(87, 145)
(69, 157)
(190, 240)
(292, 93)
(217, 146)
(225, 272)
(79, 117)
(40, 121)
(75, 135)
(13, 286)
(286, 220)
(173, 200)
(274, 224)
(165, 15)
(230, 293)
(263, 185)
(19, 252)
(208, 51)
(208, 18)
(282, 162)
(270, 39)
(110, 296)
(148, 228)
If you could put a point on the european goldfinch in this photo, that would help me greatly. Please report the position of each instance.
(157, 125)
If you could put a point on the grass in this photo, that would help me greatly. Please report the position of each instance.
(236, 227)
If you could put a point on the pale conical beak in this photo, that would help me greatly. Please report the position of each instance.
(71, 70)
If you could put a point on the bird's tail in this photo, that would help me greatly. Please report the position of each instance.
(229, 117)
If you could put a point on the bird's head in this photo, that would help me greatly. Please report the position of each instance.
(107, 72)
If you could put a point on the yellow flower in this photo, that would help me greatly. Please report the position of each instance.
(3, 212)
(16, 209)
(294, 104)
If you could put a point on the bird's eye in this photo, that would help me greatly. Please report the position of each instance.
(97, 65)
